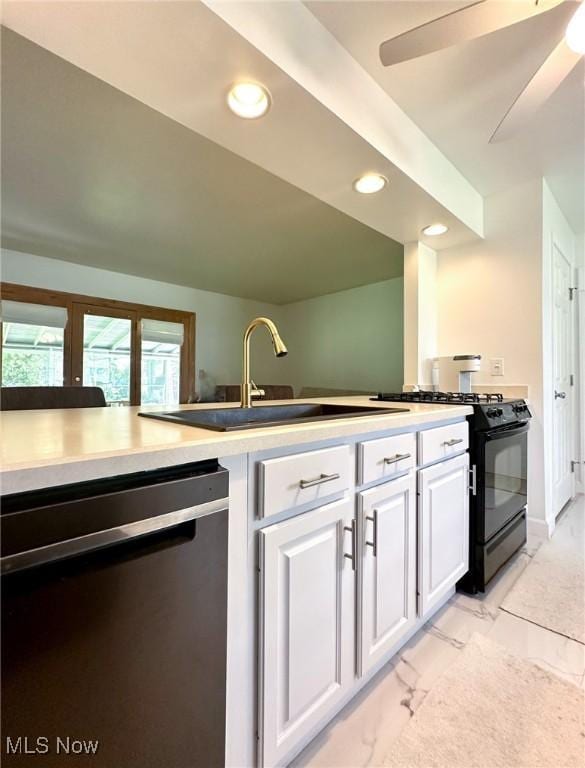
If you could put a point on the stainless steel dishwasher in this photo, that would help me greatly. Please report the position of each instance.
(114, 603)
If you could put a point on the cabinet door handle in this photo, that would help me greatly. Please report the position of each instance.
(319, 480)
(453, 441)
(353, 556)
(374, 543)
(397, 457)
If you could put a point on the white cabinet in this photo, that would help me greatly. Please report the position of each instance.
(442, 442)
(386, 457)
(332, 607)
(307, 609)
(286, 482)
(443, 528)
(387, 578)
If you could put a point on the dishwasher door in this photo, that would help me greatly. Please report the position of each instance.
(114, 612)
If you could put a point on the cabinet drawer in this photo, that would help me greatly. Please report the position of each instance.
(290, 481)
(386, 457)
(442, 442)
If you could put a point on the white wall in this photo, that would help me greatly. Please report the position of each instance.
(490, 302)
(221, 320)
(352, 339)
(420, 314)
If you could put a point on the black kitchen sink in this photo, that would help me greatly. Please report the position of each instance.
(229, 419)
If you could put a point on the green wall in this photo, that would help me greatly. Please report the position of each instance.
(347, 340)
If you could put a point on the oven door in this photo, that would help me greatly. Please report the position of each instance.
(501, 478)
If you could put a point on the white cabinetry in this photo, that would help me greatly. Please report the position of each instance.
(338, 585)
(387, 578)
(443, 528)
(307, 609)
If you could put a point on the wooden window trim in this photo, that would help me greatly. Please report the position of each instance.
(72, 301)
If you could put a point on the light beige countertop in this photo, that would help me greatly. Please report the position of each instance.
(41, 449)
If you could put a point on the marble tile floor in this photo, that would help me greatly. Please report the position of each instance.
(362, 734)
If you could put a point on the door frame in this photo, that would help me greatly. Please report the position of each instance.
(35, 295)
(556, 235)
(78, 313)
(565, 253)
(580, 363)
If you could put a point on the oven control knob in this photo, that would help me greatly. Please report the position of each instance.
(493, 413)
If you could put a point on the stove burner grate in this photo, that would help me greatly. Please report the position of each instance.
(426, 396)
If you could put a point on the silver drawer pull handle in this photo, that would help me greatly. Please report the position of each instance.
(353, 556)
(319, 480)
(374, 543)
(454, 441)
(398, 457)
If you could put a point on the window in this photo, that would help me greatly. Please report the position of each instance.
(161, 362)
(136, 354)
(32, 356)
(32, 344)
(107, 356)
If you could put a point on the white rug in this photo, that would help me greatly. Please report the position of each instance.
(551, 591)
(493, 710)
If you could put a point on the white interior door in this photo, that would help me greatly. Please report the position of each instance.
(307, 625)
(563, 478)
(388, 575)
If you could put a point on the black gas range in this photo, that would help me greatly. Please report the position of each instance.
(498, 447)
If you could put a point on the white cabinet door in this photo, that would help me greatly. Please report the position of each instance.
(443, 528)
(307, 626)
(387, 580)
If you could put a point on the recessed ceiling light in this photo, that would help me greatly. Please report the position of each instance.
(435, 229)
(575, 34)
(249, 100)
(370, 183)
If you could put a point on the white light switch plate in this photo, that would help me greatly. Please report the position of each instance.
(497, 366)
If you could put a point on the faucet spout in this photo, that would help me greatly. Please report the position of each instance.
(280, 350)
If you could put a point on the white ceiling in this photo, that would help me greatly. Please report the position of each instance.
(176, 60)
(457, 96)
(93, 176)
(180, 57)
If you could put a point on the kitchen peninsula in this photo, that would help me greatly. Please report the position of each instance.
(344, 537)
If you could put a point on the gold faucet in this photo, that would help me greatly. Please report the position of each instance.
(248, 387)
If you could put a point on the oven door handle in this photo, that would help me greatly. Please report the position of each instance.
(473, 479)
(511, 431)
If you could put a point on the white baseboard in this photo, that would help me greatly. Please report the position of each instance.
(539, 528)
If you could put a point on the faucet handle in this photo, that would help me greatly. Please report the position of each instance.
(255, 392)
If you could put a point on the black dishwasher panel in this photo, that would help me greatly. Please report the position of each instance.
(114, 653)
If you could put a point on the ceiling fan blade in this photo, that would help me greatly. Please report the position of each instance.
(547, 79)
(473, 20)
